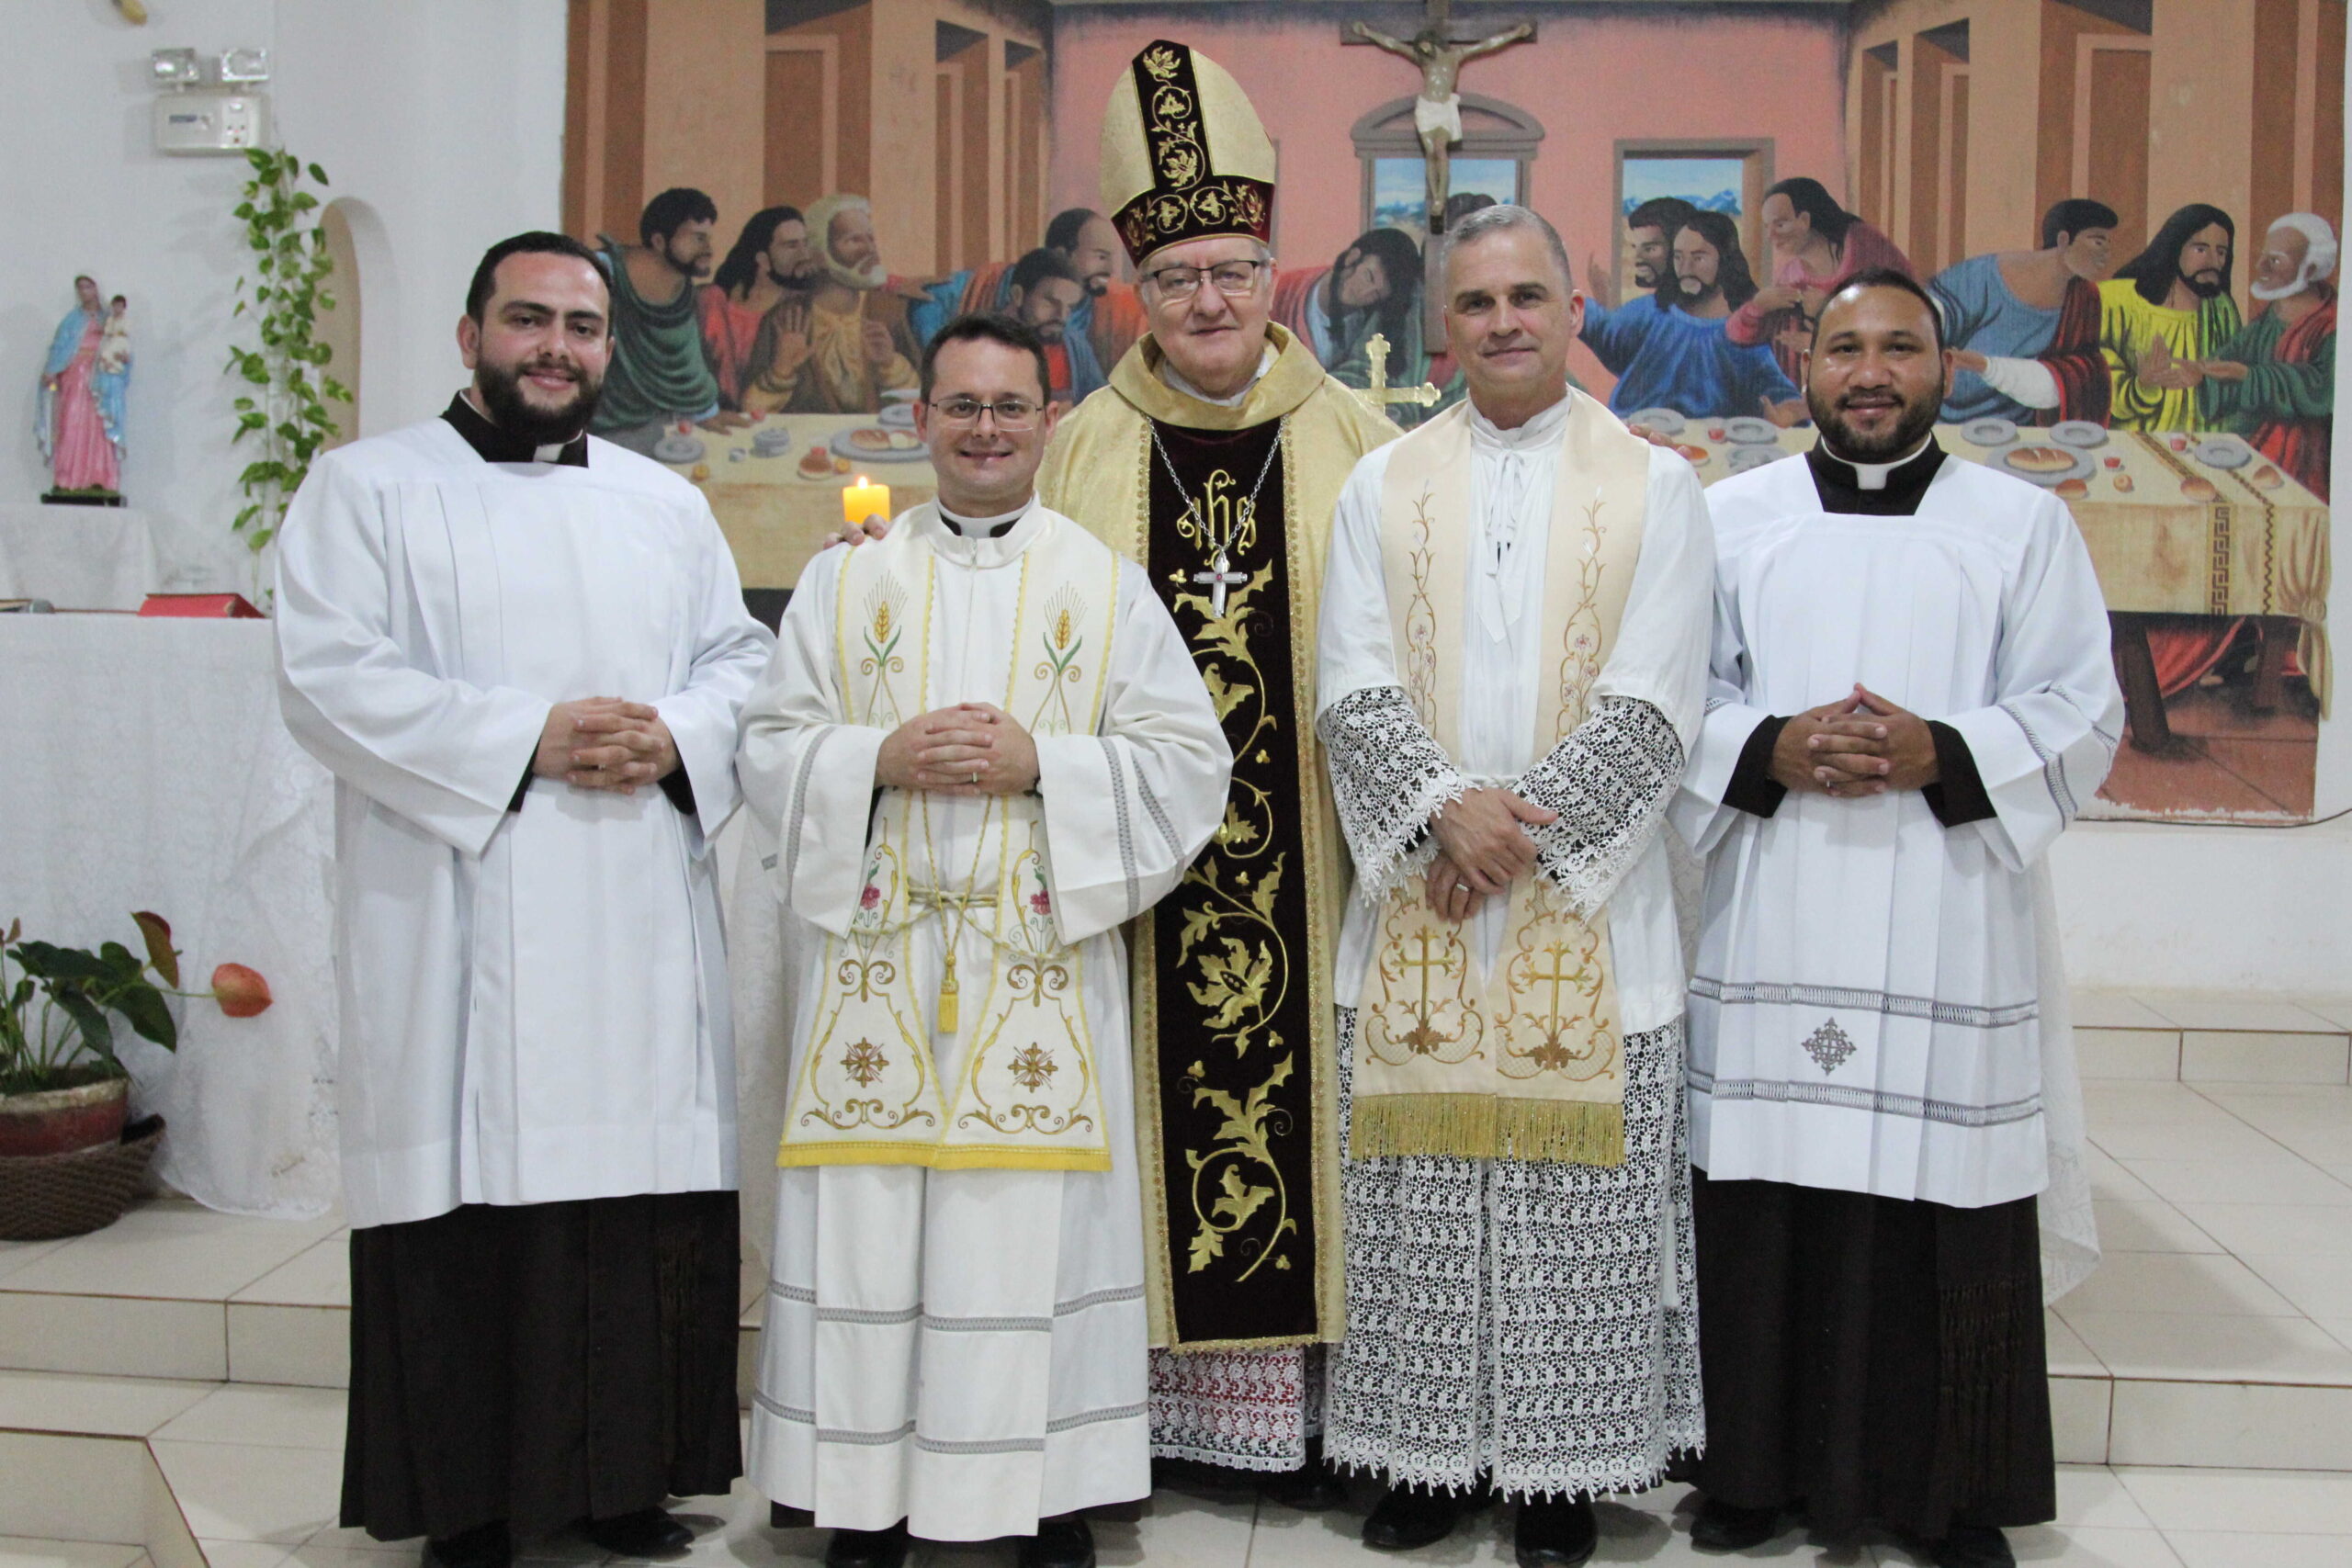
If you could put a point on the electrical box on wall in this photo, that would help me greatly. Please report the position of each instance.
(216, 122)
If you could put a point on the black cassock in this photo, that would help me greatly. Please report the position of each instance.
(1871, 1360)
(541, 1363)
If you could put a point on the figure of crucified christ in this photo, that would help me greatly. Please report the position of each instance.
(1437, 112)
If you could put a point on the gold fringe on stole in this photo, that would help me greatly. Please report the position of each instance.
(1484, 1126)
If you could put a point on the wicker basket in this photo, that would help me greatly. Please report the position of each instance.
(46, 1196)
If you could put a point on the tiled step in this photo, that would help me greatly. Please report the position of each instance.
(2219, 1333)
(2167, 1036)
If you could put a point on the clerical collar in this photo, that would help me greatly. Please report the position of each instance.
(995, 528)
(495, 446)
(1175, 379)
(1874, 490)
(1539, 430)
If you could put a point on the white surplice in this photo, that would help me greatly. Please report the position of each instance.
(1878, 1006)
(535, 1002)
(1529, 1322)
(1660, 659)
(965, 1350)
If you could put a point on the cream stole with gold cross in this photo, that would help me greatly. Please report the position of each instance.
(1026, 1097)
(1524, 1060)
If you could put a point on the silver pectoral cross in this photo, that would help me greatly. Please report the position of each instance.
(1220, 576)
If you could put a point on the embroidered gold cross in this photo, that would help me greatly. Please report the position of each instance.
(1557, 975)
(1378, 395)
(1421, 1037)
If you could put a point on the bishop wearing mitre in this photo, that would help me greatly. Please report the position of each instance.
(1213, 461)
(981, 748)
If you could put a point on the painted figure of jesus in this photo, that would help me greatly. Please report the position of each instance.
(1437, 112)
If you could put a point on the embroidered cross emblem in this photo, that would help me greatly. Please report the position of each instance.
(1423, 1039)
(1830, 1046)
(864, 1062)
(1031, 1067)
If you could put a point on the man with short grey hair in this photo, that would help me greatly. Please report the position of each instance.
(1512, 666)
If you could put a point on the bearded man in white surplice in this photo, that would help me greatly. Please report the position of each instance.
(1912, 697)
(522, 651)
(1512, 662)
(981, 748)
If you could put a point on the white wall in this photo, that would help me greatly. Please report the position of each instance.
(443, 118)
(2144, 905)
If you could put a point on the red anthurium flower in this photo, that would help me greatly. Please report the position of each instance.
(241, 991)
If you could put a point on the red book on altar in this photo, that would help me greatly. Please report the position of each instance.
(234, 606)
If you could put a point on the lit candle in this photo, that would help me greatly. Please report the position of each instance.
(864, 499)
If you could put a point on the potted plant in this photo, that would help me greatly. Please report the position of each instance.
(68, 1161)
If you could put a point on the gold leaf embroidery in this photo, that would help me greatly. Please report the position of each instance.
(1242, 1142)
(1227, 697)
(1236, 981)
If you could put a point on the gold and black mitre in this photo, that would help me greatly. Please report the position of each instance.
(1183, 155)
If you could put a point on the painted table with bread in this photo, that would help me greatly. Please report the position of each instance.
(776, 486)
(2198, 525)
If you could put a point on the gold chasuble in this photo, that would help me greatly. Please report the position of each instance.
(1028, 1097)
(1235, 1034)
(1524, 1060)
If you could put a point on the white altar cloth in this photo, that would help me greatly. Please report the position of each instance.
(144, 767)
(77, 557)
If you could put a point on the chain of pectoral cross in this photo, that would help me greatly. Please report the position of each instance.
(1220, 574)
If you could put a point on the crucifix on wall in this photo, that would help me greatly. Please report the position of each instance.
(1439, 54)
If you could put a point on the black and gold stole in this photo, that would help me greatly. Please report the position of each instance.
(1226, 975)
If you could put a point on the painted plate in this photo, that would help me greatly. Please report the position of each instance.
(1988, 432)
(1743, 458)
(2046, 466)
(873, 443)
(2223, 452)
(897, 416)
(2079, 433)
(675, 449)
(1666, 421)
(1749, 430)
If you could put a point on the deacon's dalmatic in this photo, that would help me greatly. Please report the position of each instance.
(956, 1332)
(1212, 460)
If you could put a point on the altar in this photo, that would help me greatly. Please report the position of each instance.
(149, 770)
(77, 557)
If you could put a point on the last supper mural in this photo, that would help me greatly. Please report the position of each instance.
(2129, 214)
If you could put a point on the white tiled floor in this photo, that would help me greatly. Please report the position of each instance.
(2218, 1332)
(257, 1475)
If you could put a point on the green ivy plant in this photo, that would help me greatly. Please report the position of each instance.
(287, 387)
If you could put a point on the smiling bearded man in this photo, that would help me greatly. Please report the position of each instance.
(1912, 696)
(1214, 457)
(522, 651)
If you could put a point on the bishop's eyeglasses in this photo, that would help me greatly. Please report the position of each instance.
(1010, 413)
(1233, 279)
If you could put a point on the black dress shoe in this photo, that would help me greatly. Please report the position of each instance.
(1409, 1516)
(1972, 1546)
(1310, 1490)
(1065, 1543)
(649, 1532)
(1726, 1527)
(1555, 1532)
(869, 1549)
(484, 1546)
